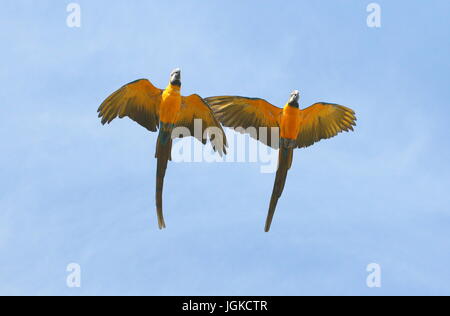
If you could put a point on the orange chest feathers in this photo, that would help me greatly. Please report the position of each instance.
(170, 105)
(290, 122)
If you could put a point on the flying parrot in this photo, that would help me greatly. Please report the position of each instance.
(165, 109)
(297, 128)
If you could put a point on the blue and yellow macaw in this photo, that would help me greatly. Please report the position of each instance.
(165, 109)
(297, 128)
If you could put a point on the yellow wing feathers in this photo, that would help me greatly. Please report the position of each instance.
(322, 121)
(139, 100)
(234, 111)
(244, 112)
(194, 108)
(319, 121)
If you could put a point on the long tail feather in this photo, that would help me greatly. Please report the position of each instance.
(284, 164)
(163, 151)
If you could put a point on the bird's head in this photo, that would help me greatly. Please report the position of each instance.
(175, 77)
(293, 99)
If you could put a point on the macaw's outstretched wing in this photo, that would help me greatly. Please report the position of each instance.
(247, 115)
(322, 121)
(139, 100)
(196, 115)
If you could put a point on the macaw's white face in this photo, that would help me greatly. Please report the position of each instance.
(175, 77)
(295, 96)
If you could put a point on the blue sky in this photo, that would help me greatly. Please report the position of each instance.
(75, 191)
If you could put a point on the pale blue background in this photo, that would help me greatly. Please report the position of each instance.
(74, 191)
